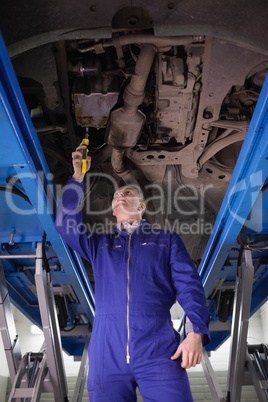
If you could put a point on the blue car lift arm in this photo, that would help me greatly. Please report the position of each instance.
(248, 178)
(22, 226)
(236, 256)
(21, 150)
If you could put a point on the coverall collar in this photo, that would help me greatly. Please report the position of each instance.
(129, 227)
(144, 223)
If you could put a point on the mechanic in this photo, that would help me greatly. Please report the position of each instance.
(139, 272)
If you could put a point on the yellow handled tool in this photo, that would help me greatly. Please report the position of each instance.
(85, 152)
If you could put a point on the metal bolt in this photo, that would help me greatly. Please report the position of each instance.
(133, 20)
(11, 241)
(93, 8)
(171, 5)
(195, 170)
(208, 115)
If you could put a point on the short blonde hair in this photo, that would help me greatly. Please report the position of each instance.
(141, 196)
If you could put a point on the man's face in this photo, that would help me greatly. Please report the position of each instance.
(127, 200)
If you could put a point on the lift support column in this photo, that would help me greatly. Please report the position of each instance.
(241, 314)
(8, 329)
(35, 372)
(51, 328)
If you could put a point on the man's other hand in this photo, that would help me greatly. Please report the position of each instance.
(191, 350)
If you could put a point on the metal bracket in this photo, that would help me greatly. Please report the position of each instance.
(241, 361)
(8, 329)
(241, 314)
(82, 375)
(257, 366)
(35, 372)
(30, 377)
(211, 378)
(50, 328)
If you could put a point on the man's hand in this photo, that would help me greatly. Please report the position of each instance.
(191, 350)
(77, 162)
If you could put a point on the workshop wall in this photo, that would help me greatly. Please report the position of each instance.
(264, 322)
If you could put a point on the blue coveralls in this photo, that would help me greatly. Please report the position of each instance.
(137, 279)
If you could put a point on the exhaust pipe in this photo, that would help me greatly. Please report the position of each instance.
(126, 123)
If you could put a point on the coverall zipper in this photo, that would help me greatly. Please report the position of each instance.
(128, 356)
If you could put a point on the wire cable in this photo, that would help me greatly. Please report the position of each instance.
(14, 189)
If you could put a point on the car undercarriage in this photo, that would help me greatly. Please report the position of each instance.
(165, 96)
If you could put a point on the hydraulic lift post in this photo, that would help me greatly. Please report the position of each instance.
(241, 362)
(82, 375)
(51, 328)
(8, 329)
(241, 314)
(35, 372)
(212, 381)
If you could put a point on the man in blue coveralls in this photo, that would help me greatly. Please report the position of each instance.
(139, 273)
